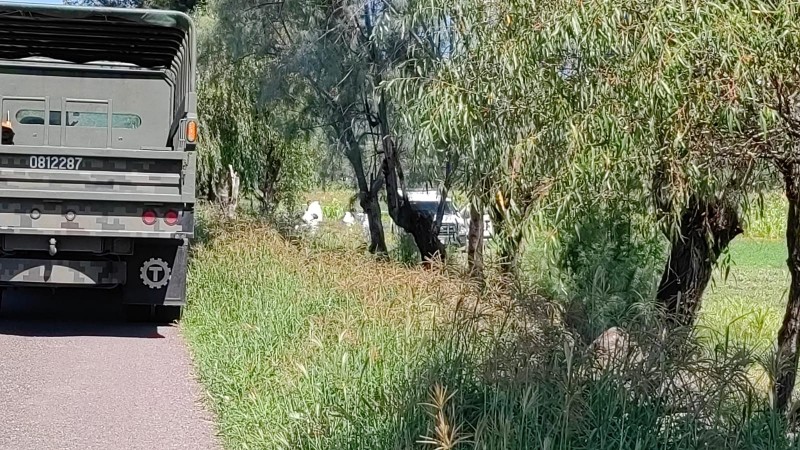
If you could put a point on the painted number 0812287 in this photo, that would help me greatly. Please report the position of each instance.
(55, 162)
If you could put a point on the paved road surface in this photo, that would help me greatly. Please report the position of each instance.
(74, 375)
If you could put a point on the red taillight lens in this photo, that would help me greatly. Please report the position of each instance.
(149, 217)
(171, 218)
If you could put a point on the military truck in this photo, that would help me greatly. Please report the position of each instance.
(97, 161)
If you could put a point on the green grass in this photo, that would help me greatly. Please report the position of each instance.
(747, 308)
(290, 361)
(767, 220)
(310, 346)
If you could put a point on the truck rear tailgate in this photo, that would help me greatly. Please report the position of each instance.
(102, 192)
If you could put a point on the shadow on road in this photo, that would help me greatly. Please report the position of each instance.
(78, 312)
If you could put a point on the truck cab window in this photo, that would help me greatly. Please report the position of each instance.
(79, 119)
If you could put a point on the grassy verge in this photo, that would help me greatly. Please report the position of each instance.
(745, 309)
(308, 346)
(296, 350)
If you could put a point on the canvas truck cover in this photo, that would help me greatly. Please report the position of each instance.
(100, 107)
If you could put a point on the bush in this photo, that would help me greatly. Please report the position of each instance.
(609, 271)
(406, 252)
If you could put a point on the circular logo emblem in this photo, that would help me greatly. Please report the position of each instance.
(154, 273)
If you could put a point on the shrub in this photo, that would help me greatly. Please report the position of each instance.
(608, 271)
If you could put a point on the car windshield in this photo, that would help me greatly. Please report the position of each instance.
(430, 207)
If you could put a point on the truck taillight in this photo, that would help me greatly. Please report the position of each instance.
(191, 131)
(171, 218)
(149, 217)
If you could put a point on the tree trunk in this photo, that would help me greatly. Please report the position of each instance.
(228, 192)
(267, 198)
(475, 243)
(507, 241)
(789, 334)
(271, 177)
(367, 193)
(420, 225)
(508, 251)
(706, 229)
(372, 208)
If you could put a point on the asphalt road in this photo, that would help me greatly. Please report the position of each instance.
(75, 375)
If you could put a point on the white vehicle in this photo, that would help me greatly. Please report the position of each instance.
(488, 227)
(453, 230)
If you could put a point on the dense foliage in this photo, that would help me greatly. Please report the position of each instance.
(591, 123)
(237, 131)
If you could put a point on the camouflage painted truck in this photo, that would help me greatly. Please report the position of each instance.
(97, 161)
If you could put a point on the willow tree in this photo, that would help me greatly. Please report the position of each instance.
(743, 76)
(323, 64)
(315, 71)
(571, 106)
(645, 100)
(672, 108)
(477, 103)
(389, 47)
(764, 38)
(241, 133)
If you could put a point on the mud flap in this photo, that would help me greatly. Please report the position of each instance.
(157, 273)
